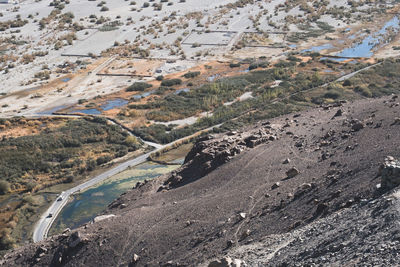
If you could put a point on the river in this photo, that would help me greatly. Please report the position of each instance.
(88, 204)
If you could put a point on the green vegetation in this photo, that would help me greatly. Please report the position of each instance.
(191, 74)
(138, 86)
(297, 89)
(29, 163)
(171, 82)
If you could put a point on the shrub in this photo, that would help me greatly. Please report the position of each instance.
(191, 74)
(4, 187)
(171, 82)
(138, 86)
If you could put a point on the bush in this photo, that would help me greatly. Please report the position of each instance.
(103, 159)
(138, 86)
(4, 187)
(191, 74)
(131, 140)
(363, 90)
(171, 82)
(259, 64)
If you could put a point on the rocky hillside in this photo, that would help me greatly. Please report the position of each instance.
(317, 187)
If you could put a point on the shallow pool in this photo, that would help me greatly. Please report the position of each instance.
(366, 47)
(91, 111)
(115, 103)
(88, 204)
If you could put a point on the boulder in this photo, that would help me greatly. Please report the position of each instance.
(396, 121)
(390, 173)
(227, 262)
(292, 172)
(275, 185)
(75, 239)
(338, 113)
(135, 258)
(102, 218)
(357, 126)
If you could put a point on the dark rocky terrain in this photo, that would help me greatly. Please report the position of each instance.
(309, 188)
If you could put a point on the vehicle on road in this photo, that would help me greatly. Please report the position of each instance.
(50, 215)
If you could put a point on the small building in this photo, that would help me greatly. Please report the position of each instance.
(5, 1)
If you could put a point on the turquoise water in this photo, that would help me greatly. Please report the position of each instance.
(110, 104)
(115, 103)
(88, 204)
(143, 95)
(366, 46)
(318, 48)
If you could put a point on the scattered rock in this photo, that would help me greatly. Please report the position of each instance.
(227, 262)
(322, 207)
(102, 218)
(245, 234)
(275, 185)
(75, 239)
(390, 173)
(286, 161)
(302, 189)
(135, 259)
(292, 172)
(230, 243)
(357, 126)
(338, 113)
(396, 121)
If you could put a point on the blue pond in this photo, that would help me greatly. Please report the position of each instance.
(110, 104)
(66, 79)
(91, 111)
(114, 104)
(318, 48)
(143, 95)
(365, 47)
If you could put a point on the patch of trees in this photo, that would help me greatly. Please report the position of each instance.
(138, 86)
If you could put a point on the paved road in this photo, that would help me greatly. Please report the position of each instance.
(42, 227)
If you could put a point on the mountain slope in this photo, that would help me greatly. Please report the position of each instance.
(239, 189)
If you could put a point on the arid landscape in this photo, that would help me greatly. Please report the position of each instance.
(258, 132)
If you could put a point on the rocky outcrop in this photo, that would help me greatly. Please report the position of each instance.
(212, 151)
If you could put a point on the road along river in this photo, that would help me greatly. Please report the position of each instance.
(42, 227)
(85, 206)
